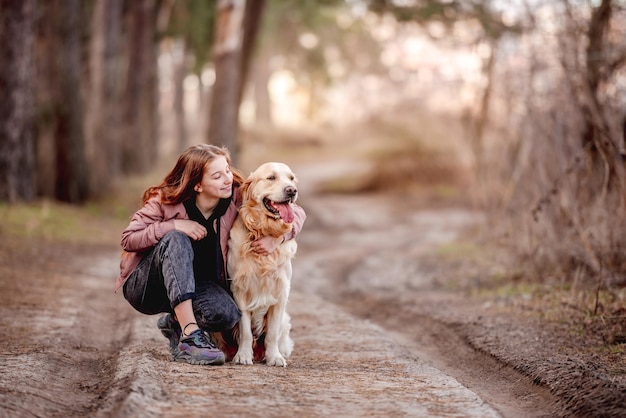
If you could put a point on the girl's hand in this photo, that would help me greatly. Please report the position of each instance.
(192, 229)
(266, 245)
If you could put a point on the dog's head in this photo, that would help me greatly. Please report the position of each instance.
(268, 194)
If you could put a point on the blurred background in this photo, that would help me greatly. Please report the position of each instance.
(513, 108)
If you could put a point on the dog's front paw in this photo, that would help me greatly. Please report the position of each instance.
(242, 357)
(276, 361)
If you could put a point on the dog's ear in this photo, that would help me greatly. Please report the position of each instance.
(246, 192)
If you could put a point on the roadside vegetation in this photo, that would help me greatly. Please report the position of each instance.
(524, 264)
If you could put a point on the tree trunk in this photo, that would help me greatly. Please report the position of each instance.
(17, 153)
(46, 97)
(114, 64)
(606, 164)
(102, 117)
(72, 183)
(224, 117)
(180, 72)
(479, 126)
(262, 99)
(253, 16)
(140, 140)
(94, 106)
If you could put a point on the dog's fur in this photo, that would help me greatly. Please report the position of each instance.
(261, 283)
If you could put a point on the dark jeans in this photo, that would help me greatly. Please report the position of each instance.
(164, 278)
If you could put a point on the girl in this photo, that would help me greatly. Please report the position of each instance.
(175, 252)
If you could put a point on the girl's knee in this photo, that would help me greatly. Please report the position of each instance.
(232, 318)
(223, 320)
(176, 236)
(176, 241)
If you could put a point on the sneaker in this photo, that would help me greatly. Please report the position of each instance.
(197, 348)
(171, 330)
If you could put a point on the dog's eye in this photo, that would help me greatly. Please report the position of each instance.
(271, 178)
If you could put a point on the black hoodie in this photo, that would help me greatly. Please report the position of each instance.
(208, 263)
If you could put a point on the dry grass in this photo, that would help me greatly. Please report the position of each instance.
(589, 322)
(99, 221)
(404, 150)
(558, 229)
(56, 222)
(412, 167)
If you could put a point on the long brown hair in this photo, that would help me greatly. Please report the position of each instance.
(178, 184)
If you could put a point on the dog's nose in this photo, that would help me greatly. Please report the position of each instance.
(291, 191)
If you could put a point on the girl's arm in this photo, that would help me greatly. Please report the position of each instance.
(146, 228)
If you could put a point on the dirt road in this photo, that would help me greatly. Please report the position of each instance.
(375, 333)
(70, 347)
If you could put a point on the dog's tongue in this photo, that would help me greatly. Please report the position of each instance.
(286, 212)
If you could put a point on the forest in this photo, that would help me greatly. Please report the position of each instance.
(460, 163)
(537, 87)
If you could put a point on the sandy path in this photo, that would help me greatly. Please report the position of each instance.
(81, 350)
(71, 347)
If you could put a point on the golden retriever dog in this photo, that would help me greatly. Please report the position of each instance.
(261, 283)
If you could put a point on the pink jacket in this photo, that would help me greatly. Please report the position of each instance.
(155, 219)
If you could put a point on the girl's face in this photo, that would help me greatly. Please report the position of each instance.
(217, 180)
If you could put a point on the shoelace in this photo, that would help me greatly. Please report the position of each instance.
(208, 339)
(201, 339)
